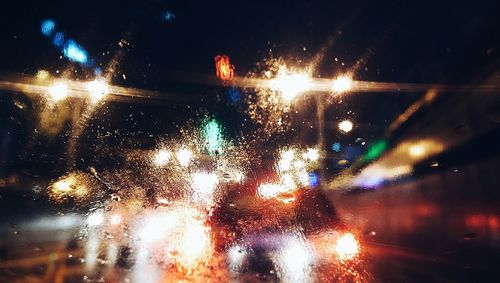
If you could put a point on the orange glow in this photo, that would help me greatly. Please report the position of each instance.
(224, 68)
(347, 247)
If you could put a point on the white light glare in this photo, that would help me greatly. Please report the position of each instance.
(342, 84)
(345, 126)
(95, 219)
(58, 91)
(97, 89)
(184, 156)
(311, 154)
(347, 247)
(162, 157)
(290, 84)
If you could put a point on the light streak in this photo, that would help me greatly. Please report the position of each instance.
(97, 89)
(342, 84)
(224, 68)
(57, 92)
(345, 126)
(290, 84)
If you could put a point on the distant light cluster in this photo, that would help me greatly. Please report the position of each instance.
(70, 48)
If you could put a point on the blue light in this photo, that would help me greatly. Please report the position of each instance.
(234, 94)
(336, 147)
(169, 16)
(58, 39)
(47, 27)
(74, 52)
(313, 179)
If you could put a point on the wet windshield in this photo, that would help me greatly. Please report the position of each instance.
(169, 141)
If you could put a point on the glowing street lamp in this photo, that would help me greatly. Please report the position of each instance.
(290, 84)
(58, 91)
(97, 89)
(342, 84)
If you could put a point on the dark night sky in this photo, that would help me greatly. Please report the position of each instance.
(407, 41)
(419, 41)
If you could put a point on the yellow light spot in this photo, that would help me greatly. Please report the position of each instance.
(42, 75)
(416, 151)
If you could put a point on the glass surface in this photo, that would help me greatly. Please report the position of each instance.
(217, 141)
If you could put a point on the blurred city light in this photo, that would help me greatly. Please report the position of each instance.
(115, 219)
(97, 89)
(184, 156)
(162, 157)
(224, 68)
(375, 150)
(290, 84)
(312, 154)
(75, 52)
(212, 134)
(58, 91)
(342, 84)
(336, 147)
(347, 247)
(417, 151)
(42, 75)
(345, 126)
(95, 219)
(47, 27)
